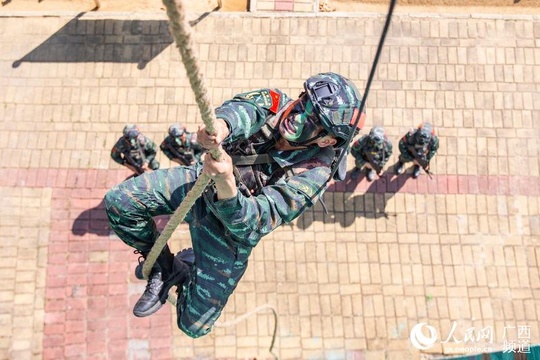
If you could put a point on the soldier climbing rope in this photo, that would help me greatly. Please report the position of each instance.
(180, 30)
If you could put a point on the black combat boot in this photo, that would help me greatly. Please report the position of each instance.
(399, 167)
(150, 302)
(176, 273)
(168, 271)
(416, 171)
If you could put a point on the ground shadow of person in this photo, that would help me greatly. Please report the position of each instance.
(370, 203)
(93, 221)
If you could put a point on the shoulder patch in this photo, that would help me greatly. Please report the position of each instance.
(276, 97)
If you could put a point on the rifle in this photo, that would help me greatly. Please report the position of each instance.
(177, 154)
(132, 164)
(420, 160)
(376, 166)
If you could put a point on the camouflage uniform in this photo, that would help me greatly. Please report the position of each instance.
(142, 150)
(419, 144)
(224, 232)
(365, 150)
(186, 149)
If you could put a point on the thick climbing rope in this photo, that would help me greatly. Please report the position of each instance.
(181, 31)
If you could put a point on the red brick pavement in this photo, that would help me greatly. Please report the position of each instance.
(98, 181)
(87, 294)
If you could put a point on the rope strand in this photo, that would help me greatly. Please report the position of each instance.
(181, 31)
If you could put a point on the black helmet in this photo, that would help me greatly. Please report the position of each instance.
(131, 131)
(424, 133)
(175, 130)
(377, 136)
(336, 102)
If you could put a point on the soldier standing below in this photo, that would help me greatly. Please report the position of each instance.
(135, 151)
(277, 160)
(419, 146)
(371, 152)
(181, 146)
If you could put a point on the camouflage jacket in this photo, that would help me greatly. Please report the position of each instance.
(144, 151)
(187, 150)
(409, 140)
(361, 147)
(272, 192)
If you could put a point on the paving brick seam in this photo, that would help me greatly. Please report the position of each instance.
(440, 184)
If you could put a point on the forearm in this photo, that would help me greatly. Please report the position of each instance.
(240, 119)
(250, 218)
(226, 187)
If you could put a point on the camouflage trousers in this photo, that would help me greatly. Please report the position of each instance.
(220, 259)
(406, 157)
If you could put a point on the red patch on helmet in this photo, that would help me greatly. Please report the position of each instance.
(275, 101)
(361, 122)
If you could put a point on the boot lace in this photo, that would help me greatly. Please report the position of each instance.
(141, 256)
(155, 283)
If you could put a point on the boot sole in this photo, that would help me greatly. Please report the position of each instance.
(148, 312)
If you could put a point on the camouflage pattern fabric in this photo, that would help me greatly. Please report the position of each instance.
(187, 149)
(223, 232)
(429, 150)
(143, 150)
(360, 147)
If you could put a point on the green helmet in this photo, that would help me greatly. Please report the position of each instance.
(176, 130)
(336, 102)
(377, 136)
(424, 133)
(131, 131)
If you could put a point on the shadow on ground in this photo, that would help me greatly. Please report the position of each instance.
(370, 205)
(105, 40)
(94, 221)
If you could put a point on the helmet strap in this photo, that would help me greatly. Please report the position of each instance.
(322, 134)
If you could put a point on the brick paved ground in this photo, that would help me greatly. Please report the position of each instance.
(459, 249)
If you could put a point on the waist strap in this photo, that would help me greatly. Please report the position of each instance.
(241, 160)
